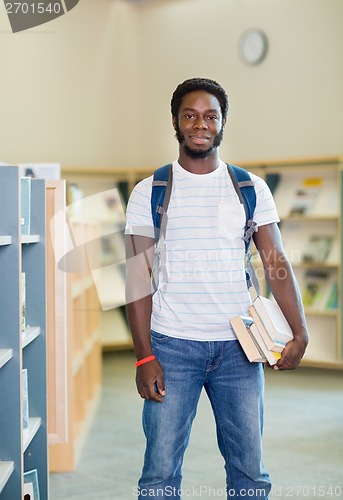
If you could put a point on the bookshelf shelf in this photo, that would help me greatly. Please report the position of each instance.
(6, 469)
(5, 356)
(316, 265)
(321, 312)
(30, 334)
(30, 238)
(34, 425)
(5, 240)
(308, 218)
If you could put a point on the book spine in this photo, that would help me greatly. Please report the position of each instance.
(262, 346)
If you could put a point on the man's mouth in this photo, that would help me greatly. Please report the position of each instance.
(199, 139)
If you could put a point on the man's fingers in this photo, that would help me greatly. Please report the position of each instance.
(152, 391)
(160, 385)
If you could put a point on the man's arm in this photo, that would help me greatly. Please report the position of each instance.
(280, 277)
(139, 261)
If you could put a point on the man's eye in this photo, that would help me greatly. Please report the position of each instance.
(189, 116)
(212, 117)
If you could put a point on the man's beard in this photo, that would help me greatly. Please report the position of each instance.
(197, 154)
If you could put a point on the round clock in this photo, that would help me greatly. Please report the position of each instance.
(253, 46)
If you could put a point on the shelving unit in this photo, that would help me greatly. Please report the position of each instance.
(21, 451)
(83, 367)
(325, 326)
(308, 196)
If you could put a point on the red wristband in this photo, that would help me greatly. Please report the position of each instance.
(145, 360)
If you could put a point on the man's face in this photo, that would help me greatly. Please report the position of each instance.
(199, 127)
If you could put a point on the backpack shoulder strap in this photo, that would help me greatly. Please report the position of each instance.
(245, 190)
(160, 195)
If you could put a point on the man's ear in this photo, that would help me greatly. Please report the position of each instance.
(174, 122)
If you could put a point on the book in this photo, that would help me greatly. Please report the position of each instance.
(305, 196)
(31, 484)
(252, 342)
(240, 326)
(318, 248)
(332, 300)
(271, 344)
(316, 287)
(271, 356)
(273, 320)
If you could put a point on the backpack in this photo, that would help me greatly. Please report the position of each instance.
(160, 197)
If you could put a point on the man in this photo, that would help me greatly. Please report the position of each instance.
(182, 335)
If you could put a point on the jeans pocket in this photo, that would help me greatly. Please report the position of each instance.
(160, 337)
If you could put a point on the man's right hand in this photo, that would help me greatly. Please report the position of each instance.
(150, 381)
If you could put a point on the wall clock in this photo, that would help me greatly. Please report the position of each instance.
(253, 46)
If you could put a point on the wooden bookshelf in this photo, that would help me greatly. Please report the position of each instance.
(313, 186)
(83, 362)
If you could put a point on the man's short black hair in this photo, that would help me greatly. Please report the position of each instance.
(193, 84)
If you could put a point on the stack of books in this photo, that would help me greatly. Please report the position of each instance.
(264, 333)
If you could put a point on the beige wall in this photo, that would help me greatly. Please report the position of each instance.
(93, 87)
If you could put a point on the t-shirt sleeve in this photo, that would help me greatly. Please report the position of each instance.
(138, 213)
(265, 211)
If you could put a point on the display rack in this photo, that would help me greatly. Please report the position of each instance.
(308, 196)
(22, 451)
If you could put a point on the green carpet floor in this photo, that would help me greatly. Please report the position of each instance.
(303, 440)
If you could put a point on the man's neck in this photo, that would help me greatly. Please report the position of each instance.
(199, 165)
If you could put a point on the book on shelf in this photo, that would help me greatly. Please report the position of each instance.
(28, 491)
(318, 248)
(332, 299)
(305, 196)
(25, 204)
(320, 289)
(31, 485)
(315, 283)
(49, 171)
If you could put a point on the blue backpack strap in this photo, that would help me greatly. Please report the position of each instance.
(245, 190)
(160, 195)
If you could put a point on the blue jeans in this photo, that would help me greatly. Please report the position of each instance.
(235, 388)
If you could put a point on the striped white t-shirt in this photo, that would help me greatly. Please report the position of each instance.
(206, 283)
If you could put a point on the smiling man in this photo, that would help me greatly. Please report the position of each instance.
(182, 336)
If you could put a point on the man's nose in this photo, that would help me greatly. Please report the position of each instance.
(200, 123)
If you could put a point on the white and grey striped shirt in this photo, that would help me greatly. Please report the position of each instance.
(206, 282)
